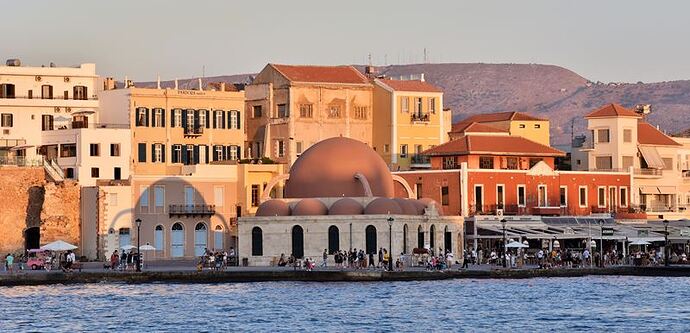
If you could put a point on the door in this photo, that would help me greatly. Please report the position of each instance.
(542, 199)
(613, 204)
(218, 236)
(447, 240)
(333, 239)
(158, 238)
(200, 239)
(478, 199)
(125, 238)
(370, 232)
(177, 240)
(189, 198)
(297, 241)
(117, 173)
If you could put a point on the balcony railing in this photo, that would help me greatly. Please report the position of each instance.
(686, 175)
(21, 161)
(193, 130)
(81, 124)
(420, 117)
(648, 172)
(420, 159)
(54, 97)
(191, 210)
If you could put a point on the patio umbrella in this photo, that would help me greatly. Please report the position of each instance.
(147, 247)
(640, 242)
(516, 245)
(128, 247)
(58, 246)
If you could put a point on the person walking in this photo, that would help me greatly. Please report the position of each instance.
(380, 258)
(465, 259)
(123, 261)
(114, 260)
(9, 263)
(371, 260)
(324, 263)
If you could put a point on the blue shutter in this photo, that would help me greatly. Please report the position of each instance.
(163, 153)
(142, 152)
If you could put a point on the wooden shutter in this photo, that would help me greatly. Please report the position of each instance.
(195, 156)
(184, 118)
(172, 118)
(239, 117)
(222, 122)
(196, 118)
(163, 153)
(142, 152)
(239, 152)
(162, 117)
(208, 119)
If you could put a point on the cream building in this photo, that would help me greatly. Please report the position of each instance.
(289, 108)
(409, 118)
(515, 123)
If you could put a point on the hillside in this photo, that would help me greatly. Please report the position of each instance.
(544, 90)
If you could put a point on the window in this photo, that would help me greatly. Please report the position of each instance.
(176, 154)
(255, 195)
(432, 105)
(534, 161)
(218, 152)
(603, 136)
(112, 199)
(444, 195)
(283, 111)
(256, 111)
(486, 162)
(117, 173)
(157, 153)
(46, 91)
(583, 196)
(144, 198)
(627, 135)
(189, 195)
(30, 94)
(141, 152)
(219, 119)
(6, 120)
(500, 196)
(114, 149)
(403, 151)
(418, 190)
(79, 92)
(69, 173)
(159, 198)
(142, 117)
(361, 112)
(177, 118)
(627, 162)
(68, 150)
(298, 147)
(603, 162)
(624, 196)
(202, 118)
(280, 148)
(405, 104)
(158, 117)
(542, 198)
(512, 163)
(65, 94)
(564, 196)
(417, 105)
(306, 110)
(537, 126)
(601, 196)
(386, 148)
(7, 90)
(668, 163)
(521, 196)
(449, 162)
(233, 119)
(521, 125)
(334, 111)
(218, 196)
(94, 149)
(47, 122)
(95, 172)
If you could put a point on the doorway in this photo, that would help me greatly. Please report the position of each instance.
(370, 235)
(32, 238)
(298, 242)
(478, 198)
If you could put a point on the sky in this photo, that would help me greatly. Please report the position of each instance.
(609, 41)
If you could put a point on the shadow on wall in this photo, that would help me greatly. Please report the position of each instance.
(32, 235)
(168, 208)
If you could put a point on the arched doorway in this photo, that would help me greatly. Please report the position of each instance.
(158, 238)
(333, 239)
(218, 238)
(257, 242)
(200, 239)
(447, 240)
(32, 238)
(420, 237)
(405, 239)
(177, 240)
(297, 241)
(370, 235)
(432, 238)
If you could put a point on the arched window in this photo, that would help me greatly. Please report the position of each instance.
(177, 240)
(257, 242)
(333, 239)
(200, 239)
(405, 239)
(447, 240)
(297, 241)
(420, 237)
(432, 237)
(218, 236)
(125, 237)
(158, 237)
(370, 235)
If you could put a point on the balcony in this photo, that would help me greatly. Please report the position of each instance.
(21, 161)
(420, 118)
(191, 210)
(648, 172)
(420, 161)
(193, 131)
(686, 175)
(82, 125)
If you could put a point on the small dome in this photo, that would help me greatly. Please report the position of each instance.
(383, 206)
(273, 207)
(346, 206)
(310, 207)
(431, 202)
(419, 206)
(408, 208)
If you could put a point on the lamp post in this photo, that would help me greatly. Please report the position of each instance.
(138, 221)
(666, 263)
(503, 224)
(390, 243)
(601, 243)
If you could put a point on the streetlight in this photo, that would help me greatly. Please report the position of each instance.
(503, 223)
(138, 221)
(390, 243)
(601, 241)
(666, 243)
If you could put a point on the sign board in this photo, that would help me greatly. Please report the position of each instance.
(642, 233)
(499, 213)
(607, 231)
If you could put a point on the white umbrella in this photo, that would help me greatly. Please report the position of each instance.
(516, 245)
(147, 247)
(58, 246)
(640, 242)
(128, 247)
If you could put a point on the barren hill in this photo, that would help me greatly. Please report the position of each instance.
(544, 90)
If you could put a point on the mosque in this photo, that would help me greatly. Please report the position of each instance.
(339, 195)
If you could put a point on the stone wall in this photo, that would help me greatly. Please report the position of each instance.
(27, 200)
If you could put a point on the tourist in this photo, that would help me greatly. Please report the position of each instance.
(232, 256)
(9, 263)
(480, 256)
(123, 261)
(130, 260)
(386, 257)
(114, 260)
(540, 258)
(371, 260)
(69, 260)
(380, 257)
(585, 258)
(324, 263)
(282, 262)
(474, 256)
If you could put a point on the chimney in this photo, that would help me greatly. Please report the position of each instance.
(421, 78)
(109, 83)
(158, 82)
(222, 86)
(200, 86)
(176, 84)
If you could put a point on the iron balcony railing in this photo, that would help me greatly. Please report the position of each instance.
(82, 124)
(193, 130)
(192, 210)
(420, 159)
(420, 117)
(54, 97)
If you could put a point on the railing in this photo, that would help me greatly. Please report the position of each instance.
(423, 117)
(195, 130)
(612, 170)
(191, 210)
(420, 159)
(648, 172)
(81, 124)
(21, 161)
(686, 175)
(54, 97)
(657, 207)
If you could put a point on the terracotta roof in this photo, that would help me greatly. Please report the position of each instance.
(324, 74)
(500, 116)
(612, 110)
(493, 145)
(410, 85)
(473, 127)
(649, 135)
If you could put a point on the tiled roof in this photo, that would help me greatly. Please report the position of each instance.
(501, 116)
(612, 110)
(472, 127)
(410, 85)
(493, 145)
(322, 74)
(649, 135)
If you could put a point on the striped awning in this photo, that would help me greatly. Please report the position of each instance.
(652, 157)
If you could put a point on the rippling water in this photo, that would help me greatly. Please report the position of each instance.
(571, 304)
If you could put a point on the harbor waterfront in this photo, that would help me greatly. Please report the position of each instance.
(593, 303)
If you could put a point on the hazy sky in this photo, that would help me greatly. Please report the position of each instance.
(601, 40)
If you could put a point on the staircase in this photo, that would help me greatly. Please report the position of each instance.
(53, 170)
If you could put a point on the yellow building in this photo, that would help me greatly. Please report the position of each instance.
(515, 123)
(408, 119)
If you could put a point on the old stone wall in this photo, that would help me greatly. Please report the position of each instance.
(60, 216)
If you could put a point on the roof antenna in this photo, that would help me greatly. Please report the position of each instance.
(176, 86)
(370, 64)
(158, 82)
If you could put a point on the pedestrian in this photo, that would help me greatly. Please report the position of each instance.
(114, 260)
(380, 257)
(465, 259)
(9, 263)
(324, 263)
(123, 261)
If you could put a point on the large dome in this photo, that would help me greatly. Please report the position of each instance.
(273, 207)
(310, 207)
(328, 168)
(346, 206)
(380, 206)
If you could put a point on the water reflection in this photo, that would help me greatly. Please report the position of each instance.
(573, 304)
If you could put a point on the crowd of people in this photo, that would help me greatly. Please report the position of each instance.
(344, 259)
(217, 260)
(124, 261)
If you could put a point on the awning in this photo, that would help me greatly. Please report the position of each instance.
(666, 189)
(83, 113)
(648, 190)
(21, 147)
(652, 157)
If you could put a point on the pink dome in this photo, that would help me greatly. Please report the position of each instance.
(346, 206)
(408, 208)
(273, 207)
(431, 202)
(383, 206)
(419, 206)
(310, 207)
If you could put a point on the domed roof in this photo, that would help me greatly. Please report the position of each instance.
(383, 206)
(310, 207)
(408, 208)
(419, 206)
(428, 202)
(327, 169)
(273, 207)
(346, 206)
